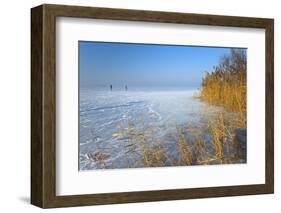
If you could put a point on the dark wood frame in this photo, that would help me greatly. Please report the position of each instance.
(43, 105)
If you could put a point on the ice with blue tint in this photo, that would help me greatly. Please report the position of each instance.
(103, 113)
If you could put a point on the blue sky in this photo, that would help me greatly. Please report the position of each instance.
(145, 65)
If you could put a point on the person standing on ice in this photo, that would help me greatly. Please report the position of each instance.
(110, 87)
(126, 88)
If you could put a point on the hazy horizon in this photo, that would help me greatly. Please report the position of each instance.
(102, 64)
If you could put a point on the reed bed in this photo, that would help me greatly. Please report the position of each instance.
(225, 86)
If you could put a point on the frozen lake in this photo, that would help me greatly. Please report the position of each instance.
(104, 115)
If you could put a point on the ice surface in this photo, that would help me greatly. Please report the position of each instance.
(104, 113)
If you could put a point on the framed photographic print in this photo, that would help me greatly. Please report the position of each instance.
(136, 106)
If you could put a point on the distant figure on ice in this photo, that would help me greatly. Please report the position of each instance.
(126, 88)
(110, 87)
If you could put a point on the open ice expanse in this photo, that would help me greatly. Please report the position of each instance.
(104, 114)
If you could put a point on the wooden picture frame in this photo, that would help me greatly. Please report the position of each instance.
(43, 105)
